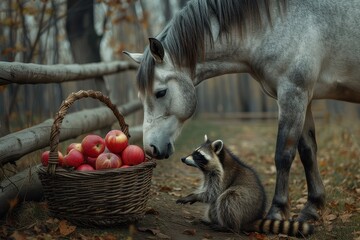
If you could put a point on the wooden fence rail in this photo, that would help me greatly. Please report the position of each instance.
(29, 73)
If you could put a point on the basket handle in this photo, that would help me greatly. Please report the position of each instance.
(65, 105)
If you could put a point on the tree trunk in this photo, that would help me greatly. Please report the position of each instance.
(84, 42)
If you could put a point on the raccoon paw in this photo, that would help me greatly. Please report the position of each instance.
(188, 199)
(181, 201)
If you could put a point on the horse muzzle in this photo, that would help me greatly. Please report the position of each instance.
(158, 151)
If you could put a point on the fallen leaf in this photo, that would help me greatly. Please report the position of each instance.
(13, 203)
(109, 237)
(151, 211)
(329, 228)
(299, 206)
(190, 232)
(66, 229)
(257, 236)
(350, 207)
(330, 217)
(356, 235)
(175, 194)
(162, 236)
(153, 231)
(165, 189)
(345, 217)
(52, 220)
(18, 236)
(271, 170)
(207, 236)
(333, 204)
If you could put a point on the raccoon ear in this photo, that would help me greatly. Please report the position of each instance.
(217, 146)
(205, 138)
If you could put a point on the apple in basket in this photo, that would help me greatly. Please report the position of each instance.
(74, 158)
(108, 160)
(132, 155)
(45, 158)
(76, 146)
(91, 161)
(85, 167)
(92, 145)
(116, 141)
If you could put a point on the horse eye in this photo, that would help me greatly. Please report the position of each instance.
(160, 93)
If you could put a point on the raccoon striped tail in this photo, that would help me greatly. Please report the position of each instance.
(288, 227)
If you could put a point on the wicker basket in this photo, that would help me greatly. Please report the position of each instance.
(94, 198)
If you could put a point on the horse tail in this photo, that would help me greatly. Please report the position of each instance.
(288, 227)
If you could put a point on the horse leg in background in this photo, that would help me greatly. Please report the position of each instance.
(307, 149)
(292, 103)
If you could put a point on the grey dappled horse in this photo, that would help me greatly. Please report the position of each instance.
(298, 50)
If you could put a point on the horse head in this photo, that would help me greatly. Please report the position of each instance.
(168, 96)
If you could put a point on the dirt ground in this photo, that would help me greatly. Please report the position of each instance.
(254, 142)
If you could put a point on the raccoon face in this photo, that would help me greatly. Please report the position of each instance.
(206, 156)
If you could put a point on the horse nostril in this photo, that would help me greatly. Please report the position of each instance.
(155, 150)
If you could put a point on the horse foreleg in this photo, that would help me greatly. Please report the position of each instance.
(307, 149)
(292, 108)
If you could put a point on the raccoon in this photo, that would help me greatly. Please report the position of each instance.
(235, 196)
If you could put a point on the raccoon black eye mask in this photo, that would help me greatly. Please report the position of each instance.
(235, 196)
(196, 159)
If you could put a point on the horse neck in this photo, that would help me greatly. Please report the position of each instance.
(231, 54)
(224, 58)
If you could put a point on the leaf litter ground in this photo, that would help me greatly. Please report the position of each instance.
(254, 142)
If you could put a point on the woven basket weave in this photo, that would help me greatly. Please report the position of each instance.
(94, 198)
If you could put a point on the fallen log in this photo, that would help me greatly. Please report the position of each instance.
(24, 186)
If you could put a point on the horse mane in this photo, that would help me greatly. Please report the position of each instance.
(184, 36)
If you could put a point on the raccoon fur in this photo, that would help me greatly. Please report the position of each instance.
(235, 196)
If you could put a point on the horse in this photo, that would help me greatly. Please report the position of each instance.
(298, 51)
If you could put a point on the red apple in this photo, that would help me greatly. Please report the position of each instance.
(116, 141)
(45, 158)
(132, 155)
(74, 158)
(107, 160)
(93, 145)
(91, 161)
(124, 166)
(76, 146)
(85, 167)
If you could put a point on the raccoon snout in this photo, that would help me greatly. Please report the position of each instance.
(183, 159)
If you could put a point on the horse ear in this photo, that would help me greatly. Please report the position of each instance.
(137, 57)
(217, 146)
(157, 50)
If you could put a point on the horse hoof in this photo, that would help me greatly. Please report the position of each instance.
(276, 214)
(308, 213)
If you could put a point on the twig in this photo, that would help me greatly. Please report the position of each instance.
(7, 178)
